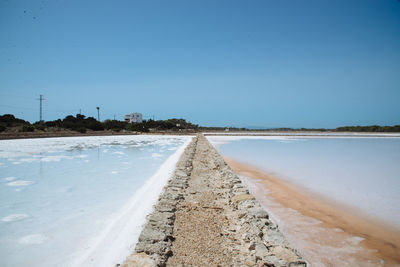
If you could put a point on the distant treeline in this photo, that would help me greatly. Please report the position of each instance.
(82, 124)
(372, 128)
(218, 129)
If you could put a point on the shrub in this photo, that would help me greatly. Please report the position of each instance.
(40, 127)
(27, 128)
(81, 129)
(10, 120)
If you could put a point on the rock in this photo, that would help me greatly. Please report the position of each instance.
(177, 186)
(167, 217)
(249, 263)
(152, 235)
(284, 254)
(162, 227)
(242, 214)
(252, 246)
(246, 204)
(239, 198)
(274, 237)
(139, 260)
(165, 208)
(298, 264)
(155, 248)
(273, 261)
(258, 213)
(172, 194)
(181, 173)
(261, 250)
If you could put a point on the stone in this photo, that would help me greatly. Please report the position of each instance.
(162, 227)
(242, 214)
(284, 253)
(155, 248)
(181, 173)
(165, 208)
(261, 250)
(167, 217)
(252, 246)
(298, 264)
(273, 260)
(249, 263)
(258, 213)
(139, 260)
(274, 237)
(246, 204)
(239, 198)
(152, 235)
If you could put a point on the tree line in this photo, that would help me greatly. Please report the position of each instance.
(82, 124)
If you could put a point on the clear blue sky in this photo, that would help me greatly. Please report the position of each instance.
(269, 63)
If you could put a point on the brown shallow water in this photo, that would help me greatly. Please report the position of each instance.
(326, 233)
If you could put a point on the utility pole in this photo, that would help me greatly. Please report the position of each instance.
(41, 100)
(80, 111)
(98, 113)
(114, 117)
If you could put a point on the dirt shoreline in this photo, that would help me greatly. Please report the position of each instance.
(380, 241)
(206, 217)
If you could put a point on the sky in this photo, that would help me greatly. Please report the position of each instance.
(257, 63)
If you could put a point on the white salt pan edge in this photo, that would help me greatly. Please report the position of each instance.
(120, 235)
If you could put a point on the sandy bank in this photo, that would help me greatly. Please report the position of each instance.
(325, 232)
(206, 217)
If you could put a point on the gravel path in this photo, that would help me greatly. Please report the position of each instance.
(206, 217)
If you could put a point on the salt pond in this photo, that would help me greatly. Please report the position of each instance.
(80, 200)
(348, 209)
(363, 173)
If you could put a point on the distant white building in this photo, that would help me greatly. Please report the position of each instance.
(134, 117)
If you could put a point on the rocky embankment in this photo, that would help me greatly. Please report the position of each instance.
(206, 217)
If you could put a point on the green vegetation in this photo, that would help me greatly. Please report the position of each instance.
(373, 128)
(27, 128)
(8, 120)
(81, 124)
(163, 125)
(220, 129)
(77, 123)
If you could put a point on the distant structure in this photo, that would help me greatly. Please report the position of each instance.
(134, 117)
(41, 100)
